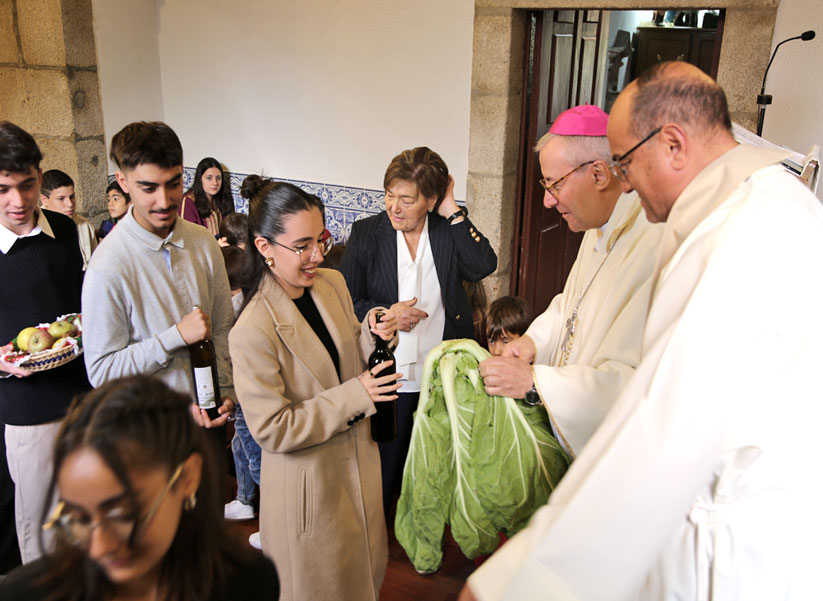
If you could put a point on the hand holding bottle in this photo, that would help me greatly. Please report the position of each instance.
(204, 370)
(381, 385)
(386, 326)
(195, 326)
(201, 416)
(381, 382)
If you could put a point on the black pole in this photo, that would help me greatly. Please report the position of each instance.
(763, 99)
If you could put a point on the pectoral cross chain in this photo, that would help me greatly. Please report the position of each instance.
(571, 322)
(568, 338)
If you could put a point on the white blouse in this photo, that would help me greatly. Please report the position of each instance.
(418, 278)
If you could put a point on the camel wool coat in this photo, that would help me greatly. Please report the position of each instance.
(321, 511)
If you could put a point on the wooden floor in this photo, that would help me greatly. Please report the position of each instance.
(403, 583)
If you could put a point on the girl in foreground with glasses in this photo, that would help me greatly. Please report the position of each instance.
(299, 357)
(138, 514)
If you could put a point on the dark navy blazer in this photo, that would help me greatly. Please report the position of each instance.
(460, 253)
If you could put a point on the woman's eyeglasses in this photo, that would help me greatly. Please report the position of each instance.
(118, 522)
(323, 246)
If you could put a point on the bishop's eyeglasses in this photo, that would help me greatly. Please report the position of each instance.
(619, 166)
(554, 188)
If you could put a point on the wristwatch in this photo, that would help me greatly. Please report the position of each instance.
(532, 397)
(455, 215)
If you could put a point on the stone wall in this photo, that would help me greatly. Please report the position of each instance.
(499, 38)
(496, 105)
(49, 87)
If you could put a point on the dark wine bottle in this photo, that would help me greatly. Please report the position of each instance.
(204, 374)
(384, 422)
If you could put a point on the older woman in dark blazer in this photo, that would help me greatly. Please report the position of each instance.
(414, 258)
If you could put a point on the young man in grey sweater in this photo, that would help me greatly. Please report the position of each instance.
(157, 283)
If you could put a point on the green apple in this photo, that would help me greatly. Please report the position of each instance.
(23, 338)
(40, 340)
(58, 329)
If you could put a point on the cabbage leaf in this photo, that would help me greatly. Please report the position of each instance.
(480, 464)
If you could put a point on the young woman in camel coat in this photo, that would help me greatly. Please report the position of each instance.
(321, 515)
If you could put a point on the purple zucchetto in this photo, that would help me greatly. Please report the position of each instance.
(583, 120)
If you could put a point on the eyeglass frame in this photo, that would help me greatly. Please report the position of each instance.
(616, 166)
(549, 187)
(316, 246)
(58, 521)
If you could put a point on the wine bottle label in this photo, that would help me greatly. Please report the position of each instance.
(204, 386)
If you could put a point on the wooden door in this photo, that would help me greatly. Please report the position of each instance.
(701, 51)
(699, 47)
(658, 44)
(564, 67)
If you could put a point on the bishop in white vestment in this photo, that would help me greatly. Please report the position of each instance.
(586, 344)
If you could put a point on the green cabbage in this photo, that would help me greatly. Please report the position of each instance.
(481, 464)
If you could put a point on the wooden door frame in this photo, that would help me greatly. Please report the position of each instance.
(525, 173)
(536, 113)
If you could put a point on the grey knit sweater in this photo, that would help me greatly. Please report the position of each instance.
(137, 287)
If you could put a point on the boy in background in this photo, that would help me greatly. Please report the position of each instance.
(244, 449)
(57, 194)
(118, 204)
(234, 231)
(507, 320)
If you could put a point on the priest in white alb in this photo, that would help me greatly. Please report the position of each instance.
(703, 481)
(585, 346)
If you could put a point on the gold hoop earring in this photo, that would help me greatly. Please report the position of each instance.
(269, 262)
(190, 502)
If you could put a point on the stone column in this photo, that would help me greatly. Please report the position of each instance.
(744, 54)
(49, 87)
(497, 63)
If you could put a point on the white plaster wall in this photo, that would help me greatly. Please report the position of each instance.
(795, 118)
(317, 90)
(128, 63)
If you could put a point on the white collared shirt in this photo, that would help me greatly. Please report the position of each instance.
(8, 237)
(418, 278)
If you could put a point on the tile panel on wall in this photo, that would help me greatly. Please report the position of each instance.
(344, 205)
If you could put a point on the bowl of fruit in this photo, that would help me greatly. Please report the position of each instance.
(48, 345)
